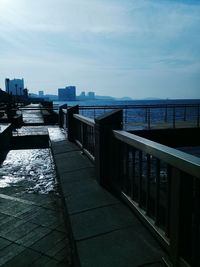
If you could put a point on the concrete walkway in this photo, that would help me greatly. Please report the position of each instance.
(32, 232)
(106, 232)
(33, 228)
(32, 115)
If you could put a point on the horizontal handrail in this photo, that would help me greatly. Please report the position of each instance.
(140, 106)
(185, 162)
(38, 108)
(84, 119)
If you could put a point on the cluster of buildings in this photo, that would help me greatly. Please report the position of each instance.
(69, 94)
(15, 87)
(83, 96)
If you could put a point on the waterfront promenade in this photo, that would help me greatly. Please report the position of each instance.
(83, 224)
(33, 228)
(101, 231)
(105, 231)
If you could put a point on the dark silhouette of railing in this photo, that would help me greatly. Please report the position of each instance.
(18, 113)
(150, 116)
(161, 184)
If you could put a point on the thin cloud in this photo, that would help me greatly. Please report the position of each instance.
(101, 44)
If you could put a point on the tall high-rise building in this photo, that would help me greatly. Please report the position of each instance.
(15, 86)
(67, 94)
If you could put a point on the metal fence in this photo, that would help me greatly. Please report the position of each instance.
(151, 116)
(161, 184)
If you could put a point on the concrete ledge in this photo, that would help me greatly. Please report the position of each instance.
(30, 141)
(5, 136)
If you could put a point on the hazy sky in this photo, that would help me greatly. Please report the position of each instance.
(136, 48)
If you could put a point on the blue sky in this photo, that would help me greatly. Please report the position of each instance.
(136, 48)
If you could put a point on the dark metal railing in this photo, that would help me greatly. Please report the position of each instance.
(162, 185)
(84, 134)
(137, 117)
(151, 116)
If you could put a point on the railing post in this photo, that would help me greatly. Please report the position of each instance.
(104, 140)
(71, 122)
(61, 116)
(126, 117)
(149, 119)
(83, 135)
(174, 117)
(198, 116)
(185, 113)
(180, 229)
(196, 223)
(166, 114)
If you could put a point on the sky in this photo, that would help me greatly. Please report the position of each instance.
(134, 48)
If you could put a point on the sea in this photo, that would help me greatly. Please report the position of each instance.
(137, 118)
(137, 111)
(98, 102)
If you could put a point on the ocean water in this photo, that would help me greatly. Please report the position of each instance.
(127, 102)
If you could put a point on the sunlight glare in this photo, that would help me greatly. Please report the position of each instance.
(7, 5)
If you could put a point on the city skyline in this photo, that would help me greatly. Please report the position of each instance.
(119, 48)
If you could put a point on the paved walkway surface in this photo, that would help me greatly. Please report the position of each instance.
(33, 229)
(105, 231)
(32, 115)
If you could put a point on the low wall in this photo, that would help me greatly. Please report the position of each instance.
(5, 136)
(30, 141)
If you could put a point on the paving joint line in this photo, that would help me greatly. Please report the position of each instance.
(83, 168)
(64, 152)
(103, 234)
(95, 208)
(16, 199)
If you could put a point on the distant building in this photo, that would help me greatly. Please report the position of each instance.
(67, 94)
(62, 94)
(41, 93)
(91, 95)
(15, 86)
(26, 92)
(82, 95)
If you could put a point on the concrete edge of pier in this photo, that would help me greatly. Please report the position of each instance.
(104, 231)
